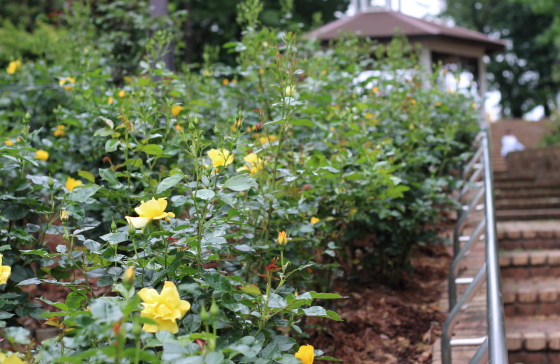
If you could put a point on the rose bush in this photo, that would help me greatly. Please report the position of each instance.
(254, 186)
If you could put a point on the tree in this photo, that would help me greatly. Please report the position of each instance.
(524, 74)
(214, 22)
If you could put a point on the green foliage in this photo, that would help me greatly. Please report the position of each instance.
(526, 73)
(354, 166)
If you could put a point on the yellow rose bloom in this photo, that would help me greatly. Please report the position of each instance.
(306, 354)
(59, 132)
(42, 155)
(68, 80)
(268, 139)
(148, 211)
(253, 163)
(9, 143)
(314, 220)
(234, 81)
(13, 67)
(72, 183)
(290, 91)
(178, 127)
(225, 82)
(5, 271)
(220, 157)
(12, 359)
(375, 89)
(164, 308)
(64, 215)
(176, 109)
(121, 93)
(110, 100)
(282, 238)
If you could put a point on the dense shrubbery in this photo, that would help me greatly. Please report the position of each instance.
(188, 182)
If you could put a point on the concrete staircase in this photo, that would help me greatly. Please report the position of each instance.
(530, 270)
(527, 204)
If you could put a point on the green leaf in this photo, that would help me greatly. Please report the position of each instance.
(111, 145)
(204, 194)
(169, 182)
(108, 175)
(82, 194)
(251, 288)
(14, 212)
(153, 149)
(240, 182)
(105, 310)
(326, 357)
(87, 175)
(302, 122)
(217, 281)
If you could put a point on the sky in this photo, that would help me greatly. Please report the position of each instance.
(422, 8)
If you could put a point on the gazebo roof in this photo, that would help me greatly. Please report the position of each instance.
(382, 25)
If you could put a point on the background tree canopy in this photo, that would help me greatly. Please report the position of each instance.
(207, 23)
(525, 75)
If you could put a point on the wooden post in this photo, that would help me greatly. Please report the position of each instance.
(426, 63)
(159, 7)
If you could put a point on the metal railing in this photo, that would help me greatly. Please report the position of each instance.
(492, 347)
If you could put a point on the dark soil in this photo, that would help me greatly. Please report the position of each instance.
(382, 325)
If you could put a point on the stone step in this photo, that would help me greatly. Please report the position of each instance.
(526, 193)
(527, 203)
(530, 263)
(533, 214)
(513, 177)
(533, 339)
(529, 297)
(517, 184)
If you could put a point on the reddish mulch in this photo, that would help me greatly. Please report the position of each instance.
(382, 325)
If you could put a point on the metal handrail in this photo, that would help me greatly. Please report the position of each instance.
(492, 347)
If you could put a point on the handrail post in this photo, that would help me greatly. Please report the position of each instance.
(497, 349)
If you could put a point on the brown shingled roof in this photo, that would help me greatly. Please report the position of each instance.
(382, 25)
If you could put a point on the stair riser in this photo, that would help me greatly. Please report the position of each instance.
(527, 206)
(524, 184)
(531, 309)
(534, 357)
(523, 272)
(526, 193)
(520, 217)
(529, 244)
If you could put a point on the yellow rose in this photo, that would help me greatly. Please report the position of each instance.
(253, 163)
(42, 155)
(72, 183)
(64, 215)
(110, 100)
(314, 220)
(220, 157)
(59, 132)
(375, 89)
(66, 80)
(282, 238)
(176, 109)
(164, 308)
(5, 272)
(121, 93)
(268, 139)
(13, 67)
(12, 359)
(178, 127)
(306, 354)
(9, 143)
(290, 91)
(148, 211)
(225, 82)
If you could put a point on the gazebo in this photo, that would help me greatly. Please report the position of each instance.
(438, 42)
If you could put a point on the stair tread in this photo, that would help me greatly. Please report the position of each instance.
(539, 323)
(533, 225)
(537, 284)
(528, 212)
